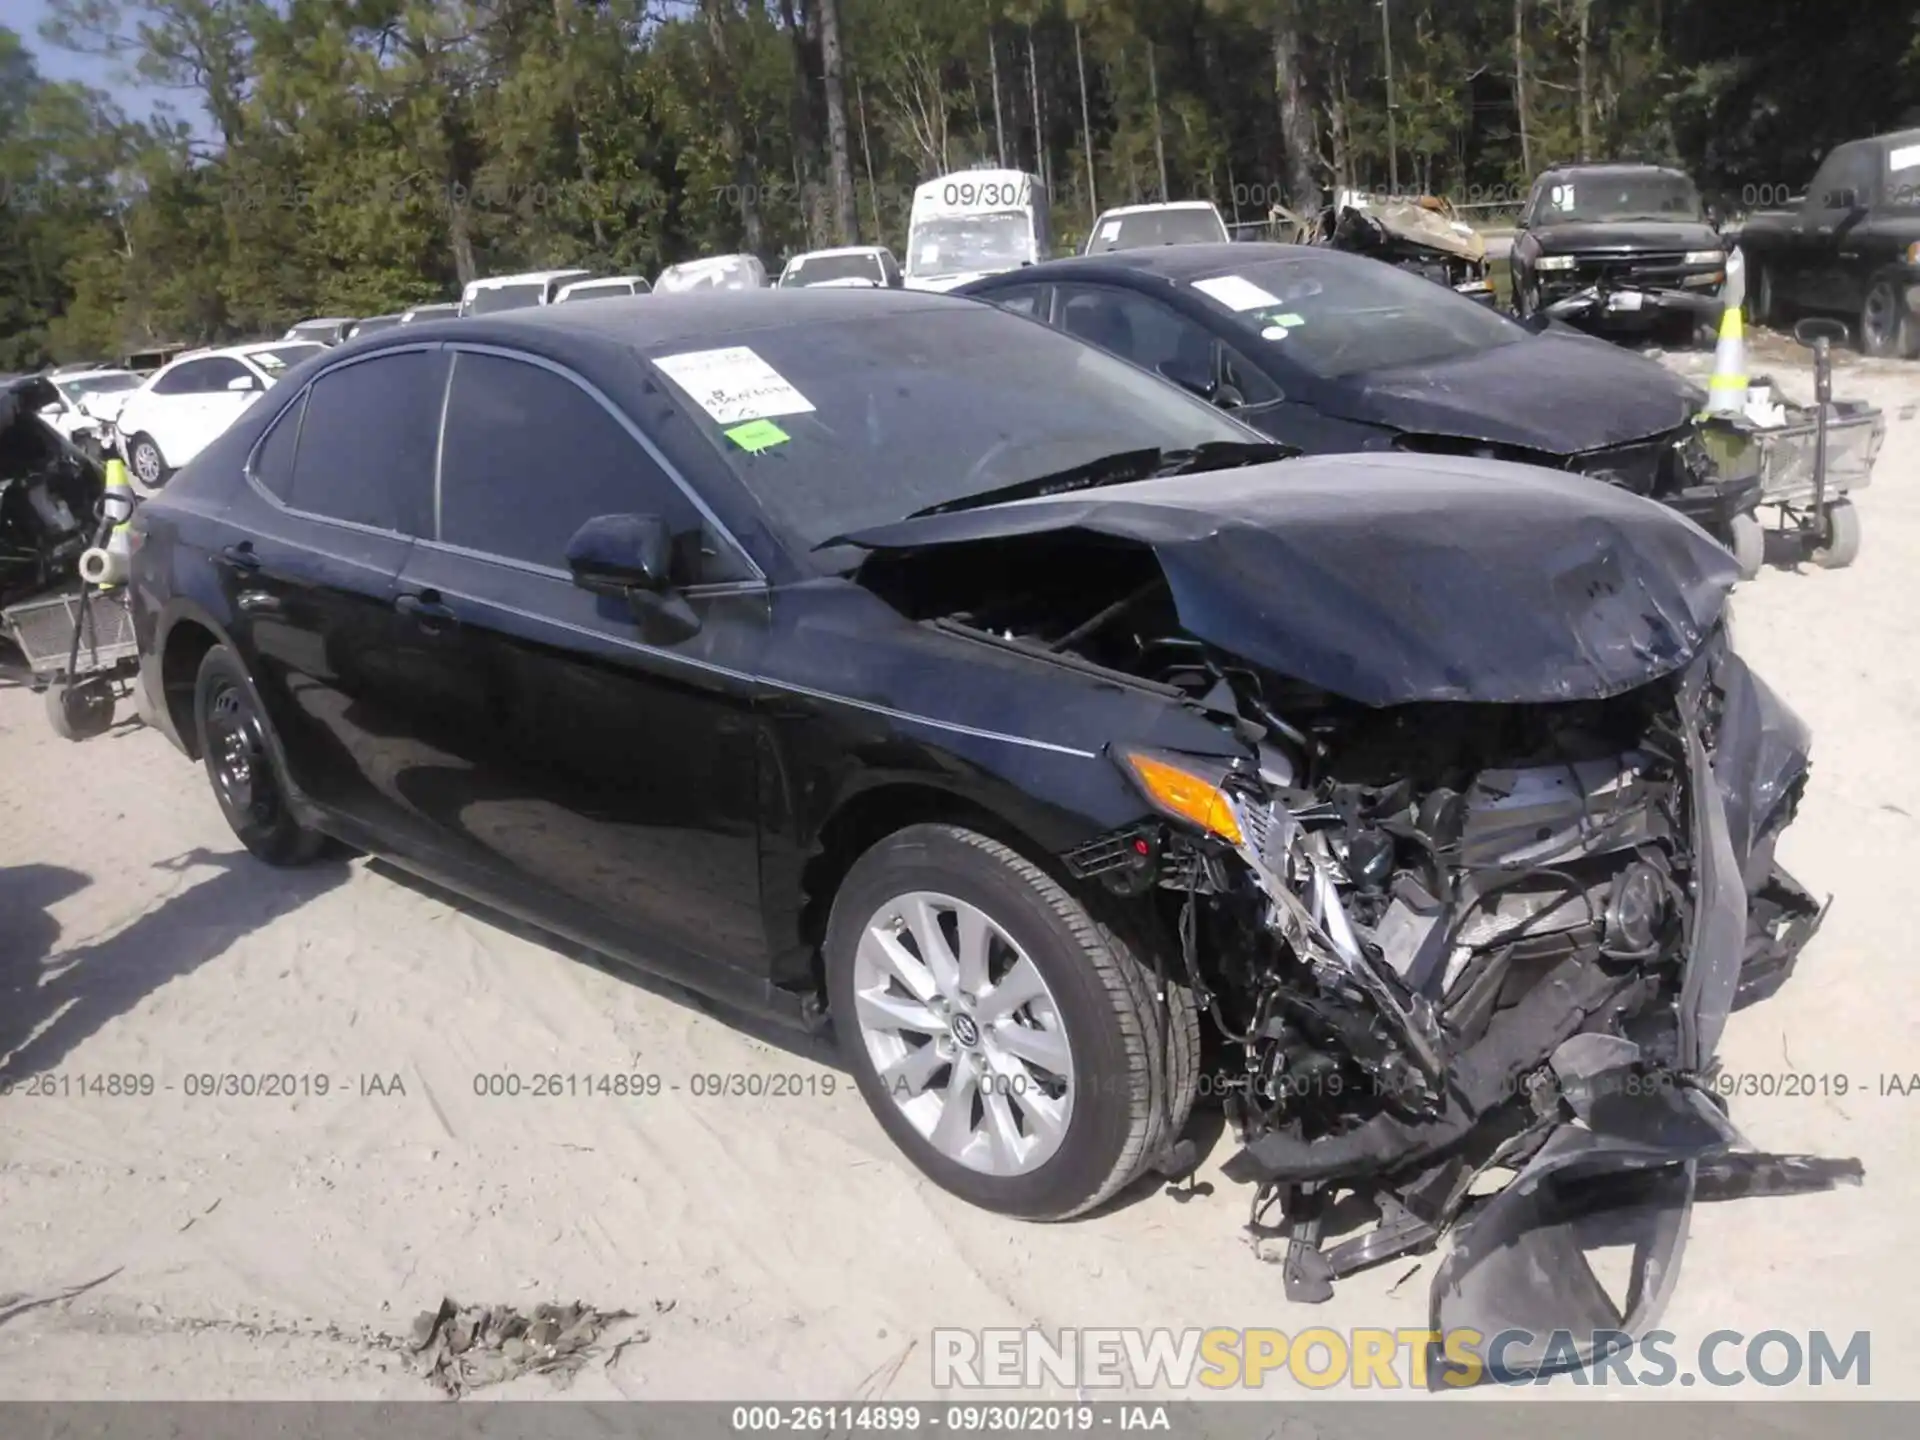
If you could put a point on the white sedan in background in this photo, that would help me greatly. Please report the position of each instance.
(89, 398)
(184, 406)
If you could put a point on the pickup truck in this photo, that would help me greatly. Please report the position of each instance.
(1850, 246)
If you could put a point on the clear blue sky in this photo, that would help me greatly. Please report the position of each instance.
(24, 16)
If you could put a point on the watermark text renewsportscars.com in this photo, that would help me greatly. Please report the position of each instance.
(1321, 1358)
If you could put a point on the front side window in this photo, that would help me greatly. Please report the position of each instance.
(1020, 299)
(367, 442)
(196, 377)
(530, 457)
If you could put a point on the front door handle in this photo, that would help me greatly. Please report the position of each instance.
(241, 556)
(426, 610)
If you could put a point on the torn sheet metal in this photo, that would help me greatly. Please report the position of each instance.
(1389, 579)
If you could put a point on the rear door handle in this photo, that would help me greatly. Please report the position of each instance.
(426, 610)
(241, 556)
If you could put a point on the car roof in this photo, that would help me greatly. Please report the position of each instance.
(875, 250)
(1176, 264)
(1119, 210)
(1615, 167)
(324, 320)
(91, 372)
(252, 347)
(527, 277)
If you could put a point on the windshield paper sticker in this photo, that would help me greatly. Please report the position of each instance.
(1235, 293)
(1563, 197)
(1903, 158)
(1110, 230)
(733, 385)
(758, 435)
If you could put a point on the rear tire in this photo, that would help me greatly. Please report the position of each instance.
(1762, 307)
(1840, 546)
(1128, 1068)
(1883, 326)
(236, 746)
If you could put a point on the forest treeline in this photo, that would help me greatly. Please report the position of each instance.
(353, 156)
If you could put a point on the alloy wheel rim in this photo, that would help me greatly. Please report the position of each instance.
(146, 463)
(964, 1033)
(242, 777)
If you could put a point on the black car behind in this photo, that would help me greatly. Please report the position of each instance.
(1330, 352)
(882, 660)
(1618, 248)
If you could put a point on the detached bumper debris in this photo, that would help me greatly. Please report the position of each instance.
(459, 1348)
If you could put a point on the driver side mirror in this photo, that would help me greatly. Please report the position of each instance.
(243, 383)
(55, 410)
(618, 554)
(630, 558)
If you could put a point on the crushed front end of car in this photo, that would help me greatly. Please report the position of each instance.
(1487, 864)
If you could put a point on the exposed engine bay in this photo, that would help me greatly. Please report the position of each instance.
(1422, 235)
(1437, 940)
(49, 495)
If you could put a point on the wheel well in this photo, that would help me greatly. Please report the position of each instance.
(187, 645)
(871, 816)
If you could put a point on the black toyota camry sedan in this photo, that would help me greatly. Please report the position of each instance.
(1331, 352)
(884, 662)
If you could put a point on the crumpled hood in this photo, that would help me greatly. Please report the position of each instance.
(1618, 237)
(1401, 578)
(1555, 394)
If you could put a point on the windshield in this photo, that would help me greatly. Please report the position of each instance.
(1341, 315)
(599, 290)
(1635, 196)
(928, 408)
(723, 272)
(1157, 227)
(281, 356)
(965, 244)
(100, 384)
(815, 269)
(496, 298)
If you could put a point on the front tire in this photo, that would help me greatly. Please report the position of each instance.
(237, 750)
(1882, 325)
(1747, 539)
(144, 459)
(1006, 1040)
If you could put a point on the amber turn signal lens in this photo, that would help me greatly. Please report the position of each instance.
(1179, 792)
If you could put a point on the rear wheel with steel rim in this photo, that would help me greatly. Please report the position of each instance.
(1009, 1043)
(1882, 326)
(236, 748)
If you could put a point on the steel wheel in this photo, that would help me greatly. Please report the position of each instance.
(965, 1033)
(1880, 321)
(237, 759)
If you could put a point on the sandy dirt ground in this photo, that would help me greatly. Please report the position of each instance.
(175, 1244)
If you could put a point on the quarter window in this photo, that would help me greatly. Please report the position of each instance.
(530, 457)
(273, 461)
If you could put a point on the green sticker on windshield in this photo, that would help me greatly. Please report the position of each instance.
(1289, 319)
(758, 435)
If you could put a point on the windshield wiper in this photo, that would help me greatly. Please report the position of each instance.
(1122, 468)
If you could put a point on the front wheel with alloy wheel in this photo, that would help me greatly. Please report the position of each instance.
(1006, 1040)
(236, 748)
(146, 462)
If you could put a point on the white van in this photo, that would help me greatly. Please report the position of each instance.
(514, 292)
(975, 223)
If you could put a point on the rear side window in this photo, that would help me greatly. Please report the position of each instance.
(531, 457)
(273, 461)
(367, 442)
